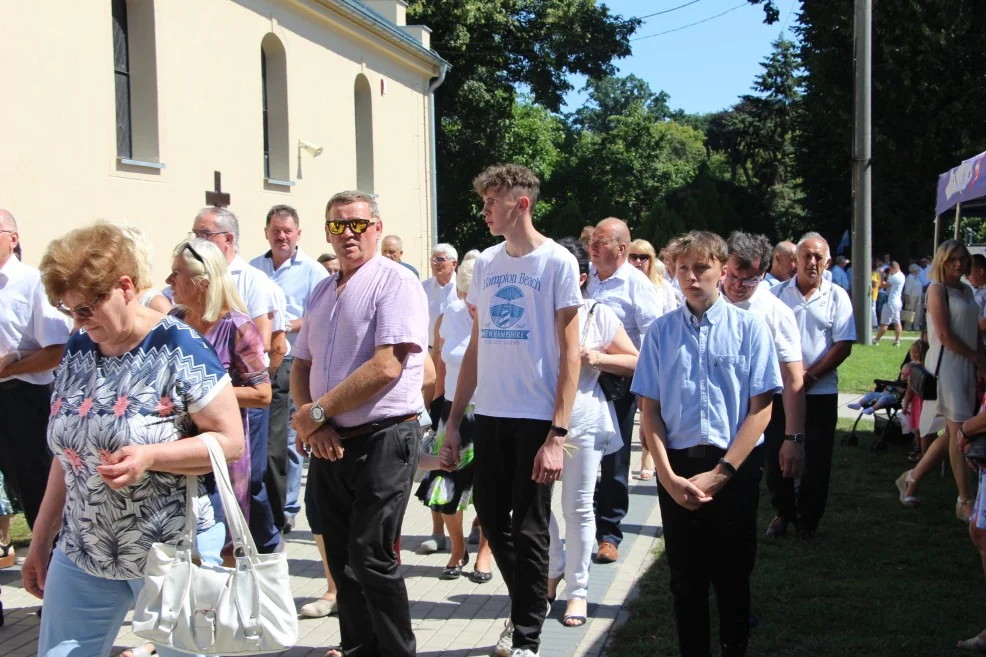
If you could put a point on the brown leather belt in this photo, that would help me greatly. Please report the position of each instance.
(373, 427)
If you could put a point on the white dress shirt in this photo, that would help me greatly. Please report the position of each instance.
(779, 319)
(28, 322)
(823, 319)
(631, 295)
(439, 297)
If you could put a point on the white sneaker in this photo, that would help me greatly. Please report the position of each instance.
(524, 652)
(505, 645)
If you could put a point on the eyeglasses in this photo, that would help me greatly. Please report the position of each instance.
(82, 312)
(358, 226)
(639, 257)
(195, 255)
(4, 230)
(746, 282)
(206, 234)
(440, 259)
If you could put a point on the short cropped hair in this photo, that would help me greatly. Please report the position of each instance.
(978, 261)
(446, 250)
(89, 260)
(703, 244)
(283, 211)
(812, 235)
(944, 252)
(225, 220)
(143, 252)
(749, 248)
(327, 257)
(354, 196)
(509, 178)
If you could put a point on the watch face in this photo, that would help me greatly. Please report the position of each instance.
(317, 413)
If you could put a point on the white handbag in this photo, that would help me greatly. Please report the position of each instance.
(210, 609)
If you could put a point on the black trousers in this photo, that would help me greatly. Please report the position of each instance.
(808, 505)
(717, 545)
(514, 512)
(612, 497)
(24, 456)
(276, 477)
(361, 499)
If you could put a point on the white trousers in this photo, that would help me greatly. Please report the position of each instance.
(578, 485)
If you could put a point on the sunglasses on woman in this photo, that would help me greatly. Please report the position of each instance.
(358, 226)
(82, 312)
(639, 257)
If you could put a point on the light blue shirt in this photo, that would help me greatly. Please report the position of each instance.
(297, 277)
(840, 277)
(704, 372)
(631, 295)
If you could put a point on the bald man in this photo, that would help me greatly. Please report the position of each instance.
(784, 265)
(32, 338)
(392, 248)
(637, 302)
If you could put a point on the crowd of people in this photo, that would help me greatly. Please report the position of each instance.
(500, 375)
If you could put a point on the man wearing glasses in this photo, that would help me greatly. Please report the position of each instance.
(784, 438)
(621, 286)
(356, 381)
(32, 338)
(266, 306)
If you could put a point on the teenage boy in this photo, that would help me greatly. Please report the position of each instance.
(525, 340)
(706, 376)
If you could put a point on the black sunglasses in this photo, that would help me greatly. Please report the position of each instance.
(81, 312)
(194, 253)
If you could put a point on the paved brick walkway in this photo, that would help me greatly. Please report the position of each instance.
(451, 618)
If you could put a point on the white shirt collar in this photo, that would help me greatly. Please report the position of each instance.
(13, 268)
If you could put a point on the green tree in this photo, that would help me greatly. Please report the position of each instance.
(496, 46)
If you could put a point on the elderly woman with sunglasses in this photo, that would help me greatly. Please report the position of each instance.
(128, 377)
(207, 300)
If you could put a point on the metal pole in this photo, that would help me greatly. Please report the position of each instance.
(958, 220)
(861, 183)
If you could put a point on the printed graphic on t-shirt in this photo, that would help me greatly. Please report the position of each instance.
(510, 315)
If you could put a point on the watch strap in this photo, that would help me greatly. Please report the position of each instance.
(727, 466)
(561, 431)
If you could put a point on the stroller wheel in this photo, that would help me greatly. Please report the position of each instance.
(850, 440)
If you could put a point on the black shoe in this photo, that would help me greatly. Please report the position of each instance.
(288, 525)
(455, 572)
(480, 577)
(777, 528)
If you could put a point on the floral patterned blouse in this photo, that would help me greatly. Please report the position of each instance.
(100, 404)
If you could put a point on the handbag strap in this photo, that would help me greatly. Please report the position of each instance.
(588, 318)
(238, 528)
(941, 348)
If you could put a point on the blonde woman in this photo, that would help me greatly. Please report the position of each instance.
(143, 250)
(643, 256)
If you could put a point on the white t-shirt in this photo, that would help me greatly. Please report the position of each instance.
(254, 287)
(518, 352)
(592, 415)
(824, 319)
(456, 330)
(895, 289)
(779, 319)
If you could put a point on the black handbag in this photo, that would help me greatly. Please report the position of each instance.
(922, 382)
(614, 387)
(977, 448)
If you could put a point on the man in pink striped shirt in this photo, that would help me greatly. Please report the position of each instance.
(356, 381)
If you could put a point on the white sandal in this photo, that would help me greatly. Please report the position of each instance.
(910, 501)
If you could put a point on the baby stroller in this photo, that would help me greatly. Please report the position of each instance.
(887, 428)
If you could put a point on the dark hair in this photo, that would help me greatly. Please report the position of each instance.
(750, 248)
(978, 261)
(279, 210)
(577, 249)
(327, 257)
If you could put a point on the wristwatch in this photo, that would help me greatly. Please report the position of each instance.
(559, 430)
(317, 413)
(798, 438)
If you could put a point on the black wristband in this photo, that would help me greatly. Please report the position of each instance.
(729, 467)
(561, 431)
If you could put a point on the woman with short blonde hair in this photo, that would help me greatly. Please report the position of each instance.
(132, 385)
(150, 296)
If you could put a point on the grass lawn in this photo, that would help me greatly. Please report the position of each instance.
(878, 580)
(866, 363)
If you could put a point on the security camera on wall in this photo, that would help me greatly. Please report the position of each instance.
(313, 149)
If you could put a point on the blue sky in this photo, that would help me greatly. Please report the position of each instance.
(706, 67)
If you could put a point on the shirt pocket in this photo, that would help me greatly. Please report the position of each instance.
(730, 368)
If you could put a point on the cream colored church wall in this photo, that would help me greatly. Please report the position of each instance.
(58, 165)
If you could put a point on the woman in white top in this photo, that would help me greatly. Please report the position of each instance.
(450, 492)
(953, 333)
(593, 432)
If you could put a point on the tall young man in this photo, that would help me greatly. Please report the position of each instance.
(706, 376)
(525, 339)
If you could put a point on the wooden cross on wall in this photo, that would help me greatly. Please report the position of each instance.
(217, 198)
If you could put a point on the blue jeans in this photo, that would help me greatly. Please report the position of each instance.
(84, 613)
(292, 502)
(265, 534)
(612, 497)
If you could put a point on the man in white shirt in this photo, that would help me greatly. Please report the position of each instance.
(825, 320)
(221, 227)
(637, 303)
(785, 435)
(525, 340)
(784, 264)
(32, 338)
(295, 275)
(895, 303)
(440, 288)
